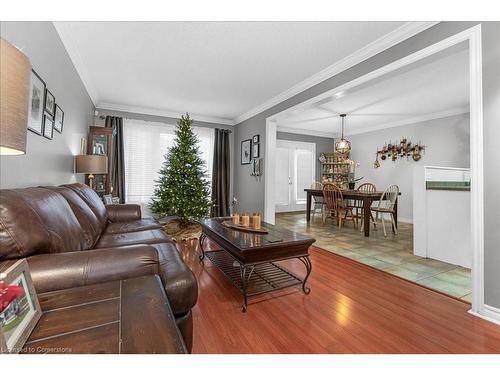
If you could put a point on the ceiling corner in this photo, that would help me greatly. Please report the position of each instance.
(64, 31)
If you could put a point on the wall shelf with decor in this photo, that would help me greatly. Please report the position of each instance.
(336, 168)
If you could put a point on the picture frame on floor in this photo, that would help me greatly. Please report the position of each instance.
(48, 126)
(36, 104)
(50, 102)
(19, 310)
(58, 119)
(246, 151)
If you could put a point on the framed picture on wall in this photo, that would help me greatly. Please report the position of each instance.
(48, 126)
(256, 139)
(246, 149)
(255, 151)
(50, 102)
(19, 307)
(58, 119)
(36, 104)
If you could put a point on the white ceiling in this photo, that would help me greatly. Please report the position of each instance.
(435, 87)
(217, 70)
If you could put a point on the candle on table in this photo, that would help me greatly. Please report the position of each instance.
(245, 220)
(256, 220)
(236, 219)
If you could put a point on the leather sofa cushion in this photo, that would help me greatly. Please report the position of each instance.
(37, 220)
(132, 238)
(179, 281)
(93, 201)
(132, 226)
(88, 220)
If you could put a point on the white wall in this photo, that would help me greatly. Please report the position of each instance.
(447, 145)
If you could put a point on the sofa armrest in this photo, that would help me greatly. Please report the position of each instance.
(68, 270)
(123, 212)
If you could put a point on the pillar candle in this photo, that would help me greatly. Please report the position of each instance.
(256, 220)
(236, 219)
(245, 220)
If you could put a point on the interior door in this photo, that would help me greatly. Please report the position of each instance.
(295, 171)
(283, 181)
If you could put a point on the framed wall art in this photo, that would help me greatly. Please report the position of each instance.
(36, 104)
(246, 149)
(255, 151)
(58, 119)
(19, 308)
(50, 102)
(48, 126)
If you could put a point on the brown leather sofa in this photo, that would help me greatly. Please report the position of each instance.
(70, 238)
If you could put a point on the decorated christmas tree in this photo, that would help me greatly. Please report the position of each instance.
(182, 189)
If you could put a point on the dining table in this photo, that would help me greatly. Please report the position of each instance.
(366, 197)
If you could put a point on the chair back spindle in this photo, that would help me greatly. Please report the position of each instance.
(388, 198)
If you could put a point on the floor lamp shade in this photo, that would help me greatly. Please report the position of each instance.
(15, 75)
(91, 164)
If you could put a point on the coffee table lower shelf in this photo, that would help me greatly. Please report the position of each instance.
(256, 279)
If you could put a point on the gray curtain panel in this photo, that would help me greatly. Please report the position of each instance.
(117, 164)
(220, 174)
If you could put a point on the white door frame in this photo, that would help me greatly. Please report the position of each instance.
(313, 161)
(473, 37)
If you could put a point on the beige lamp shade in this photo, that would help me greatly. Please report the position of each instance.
(91, 164)
(15, 75)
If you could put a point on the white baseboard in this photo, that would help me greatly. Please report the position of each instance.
(489, 313)
(405, 220)
(492, 313)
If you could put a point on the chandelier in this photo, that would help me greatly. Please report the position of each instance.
(343, 145)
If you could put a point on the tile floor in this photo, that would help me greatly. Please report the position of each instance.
(393, 254)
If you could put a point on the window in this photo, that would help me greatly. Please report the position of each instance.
(145, 144)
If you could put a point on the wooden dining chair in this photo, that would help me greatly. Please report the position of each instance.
(318, 202)
(386, 206)
(357, 207)
(335, 206)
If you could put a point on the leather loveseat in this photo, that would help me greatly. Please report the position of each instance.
(70, 238)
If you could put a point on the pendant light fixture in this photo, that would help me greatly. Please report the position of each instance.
(343, 145)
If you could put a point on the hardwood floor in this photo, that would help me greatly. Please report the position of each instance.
(352, 308)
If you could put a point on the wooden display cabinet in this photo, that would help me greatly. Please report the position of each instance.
(100, 142)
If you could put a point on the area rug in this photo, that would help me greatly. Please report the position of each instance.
(178, 233)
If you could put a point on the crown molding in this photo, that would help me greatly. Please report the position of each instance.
(314, 133)
(389, 40)
(407, 121)
(74, 54)
(161, 112)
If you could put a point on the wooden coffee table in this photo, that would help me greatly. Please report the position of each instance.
(248, 260)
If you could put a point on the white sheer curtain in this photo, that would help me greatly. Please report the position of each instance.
(145, 143)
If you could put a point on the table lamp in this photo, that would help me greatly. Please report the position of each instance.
(90, 164)
(15, 75)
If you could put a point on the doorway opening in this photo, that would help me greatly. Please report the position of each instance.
(472, 39)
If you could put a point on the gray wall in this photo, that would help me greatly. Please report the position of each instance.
(447, 140)
(251, 192)
(48, 162)
(323, 144)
